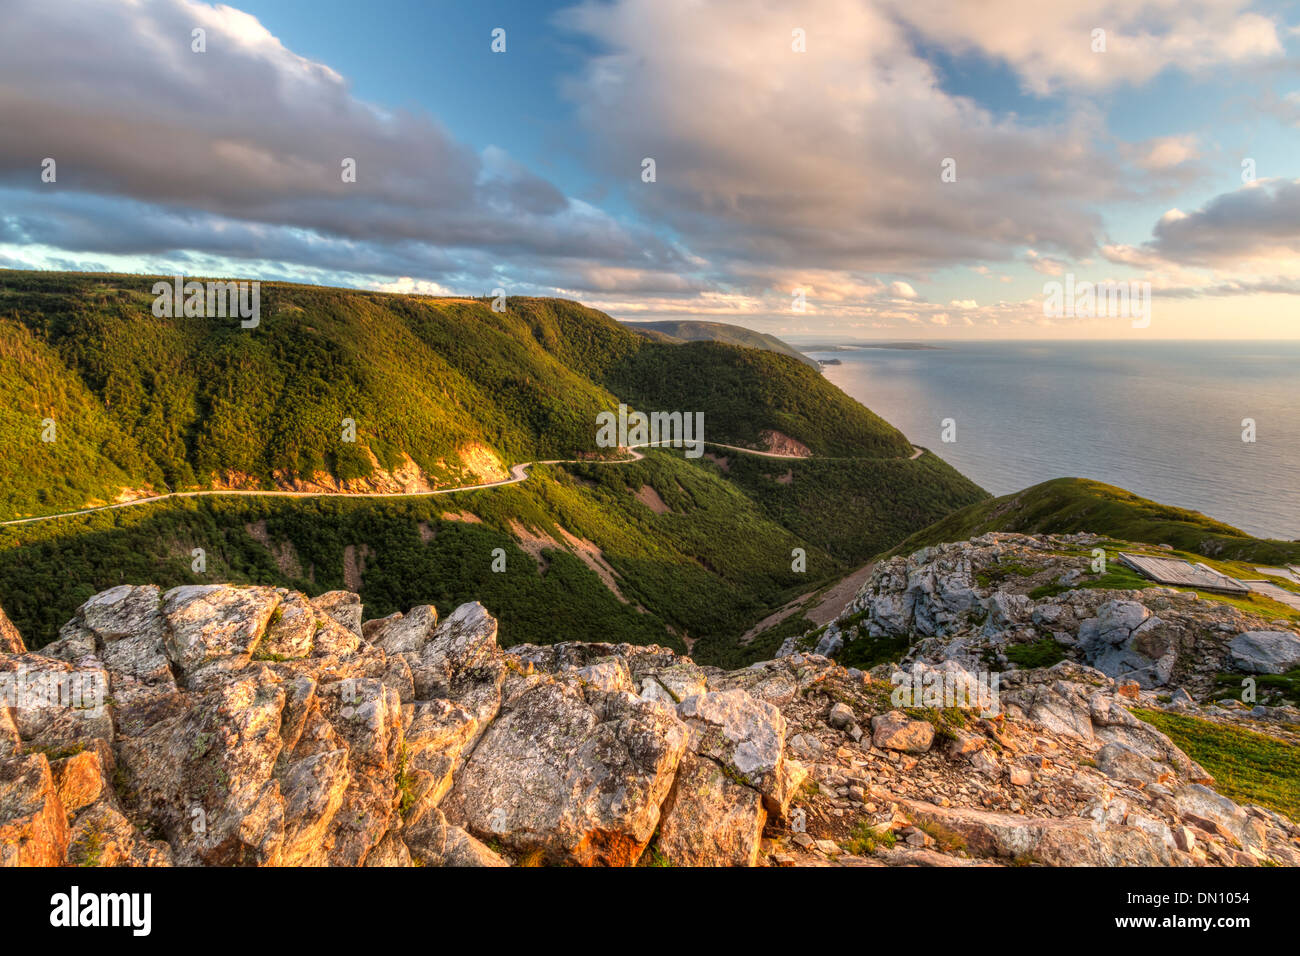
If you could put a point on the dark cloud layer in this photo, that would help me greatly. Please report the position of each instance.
(239, 150)
(1260, 221)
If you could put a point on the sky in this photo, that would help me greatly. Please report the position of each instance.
(838, 169)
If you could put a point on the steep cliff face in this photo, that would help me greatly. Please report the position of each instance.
(220, 725)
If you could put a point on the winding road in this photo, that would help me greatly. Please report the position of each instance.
(518, 473)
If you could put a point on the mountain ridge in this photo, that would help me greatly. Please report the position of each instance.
(437, 389)
(168, 397)
(690, 330)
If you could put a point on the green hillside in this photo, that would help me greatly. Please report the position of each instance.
(1067, 505)
(746, 391)
(686, 330)
(714, 560)
(181, 403)
(668, 550)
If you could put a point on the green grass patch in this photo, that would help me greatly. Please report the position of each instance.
(867, 651)
(1069, 505)
(867, 839)
(1286, 685)
(1247, 766)
(1042, 653)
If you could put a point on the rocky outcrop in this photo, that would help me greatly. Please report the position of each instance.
(1265, 652)
(222, 725)
(11, 642)
(982, 601)
(219, 725)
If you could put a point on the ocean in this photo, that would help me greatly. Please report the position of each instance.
(1162, 419)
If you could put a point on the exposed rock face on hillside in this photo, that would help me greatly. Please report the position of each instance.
(972, 602)
(219, 725)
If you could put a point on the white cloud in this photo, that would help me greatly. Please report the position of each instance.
(1051, 44)
(242, 147)
(829, 159)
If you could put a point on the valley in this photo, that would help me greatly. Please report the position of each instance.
(154, 409)
(806, 545)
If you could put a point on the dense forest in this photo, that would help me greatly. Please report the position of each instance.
(666, 550)
(138, 401)
(712, 561)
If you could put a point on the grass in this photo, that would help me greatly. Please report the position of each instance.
(1252, 603)
(1116, 577)
(405, 781)
(949, 841)
(59, 752)
(656, 857)
(1247, 766)
(867, 839)
(1067, 505)
(92, 848)
(994, 575)
(1043, 653)
(945, 720)
(1286, 685)
(864, 652)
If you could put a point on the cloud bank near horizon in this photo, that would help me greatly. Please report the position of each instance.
(855, 170)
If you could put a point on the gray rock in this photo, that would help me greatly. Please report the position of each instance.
(1123, 763)
(841, 716)
(405, 633)
(210, 622)
(579, 781)
(343, 607)
(1265, 652)
(741, 733)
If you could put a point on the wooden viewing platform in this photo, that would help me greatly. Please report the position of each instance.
(1179, 573)
(1290, 573)
(1280, 595)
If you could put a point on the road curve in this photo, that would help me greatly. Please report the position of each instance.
(518, 473)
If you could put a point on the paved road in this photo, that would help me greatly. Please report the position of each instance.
(518, 473)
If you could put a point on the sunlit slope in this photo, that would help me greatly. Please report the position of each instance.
(1066, 505)
(446, 385)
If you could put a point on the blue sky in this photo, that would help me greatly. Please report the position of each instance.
(798, 150)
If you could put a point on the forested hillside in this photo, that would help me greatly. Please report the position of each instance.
(688, 330)
(682, 552)
(148, 403)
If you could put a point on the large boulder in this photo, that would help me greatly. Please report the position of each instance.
(1054, 842)
(1265, 652)
(896, 731)
(576, 774)
(710, 819)
(33, 822)
(209, 623)
(745, 735)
